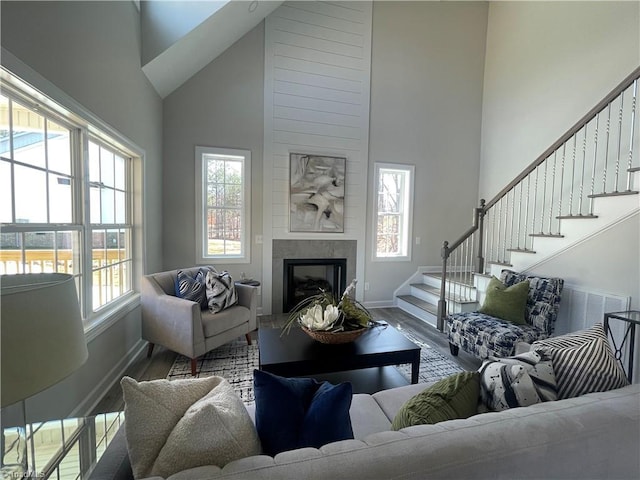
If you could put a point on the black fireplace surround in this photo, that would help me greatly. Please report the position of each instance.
(304, 277)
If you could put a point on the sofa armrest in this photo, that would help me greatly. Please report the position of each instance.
(248, 297)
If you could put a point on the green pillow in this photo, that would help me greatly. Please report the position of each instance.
(507, 303)
(450, 398)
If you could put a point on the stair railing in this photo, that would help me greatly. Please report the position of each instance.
(594, 158)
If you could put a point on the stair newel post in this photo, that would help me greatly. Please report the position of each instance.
(480, 212)
(442, 303)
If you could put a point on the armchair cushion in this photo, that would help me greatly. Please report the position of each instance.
(216, 323)
(486, 336)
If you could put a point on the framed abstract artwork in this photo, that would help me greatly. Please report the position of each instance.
(316, 193)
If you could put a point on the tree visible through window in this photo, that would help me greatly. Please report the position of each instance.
(224, 179)
(394, 189)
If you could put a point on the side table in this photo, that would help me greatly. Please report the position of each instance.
(632, 318)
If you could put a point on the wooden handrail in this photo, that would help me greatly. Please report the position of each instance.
(590, 115)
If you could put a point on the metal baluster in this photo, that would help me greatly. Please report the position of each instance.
(520, 217)
(526, 212)
(573, 174)
(544, 194)
(499, 228)
(564, 151)
(633, 122)
(595, 159)
(510, 211)
(535, 202)
(606, 151)
(584, 161)
(466, 262)
(553, 185)
(617, 171)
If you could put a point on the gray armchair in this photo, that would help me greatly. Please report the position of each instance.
(183, 327)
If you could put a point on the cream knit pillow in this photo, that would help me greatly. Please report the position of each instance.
(175, 425)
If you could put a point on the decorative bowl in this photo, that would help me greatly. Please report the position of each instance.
(334, 338)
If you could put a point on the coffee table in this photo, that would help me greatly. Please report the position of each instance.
(367, 362)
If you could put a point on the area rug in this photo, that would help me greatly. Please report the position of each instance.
(236, 361)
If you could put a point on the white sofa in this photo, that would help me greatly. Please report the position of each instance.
(593, 436)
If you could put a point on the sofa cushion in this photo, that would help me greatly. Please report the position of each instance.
(366, 416)
(220, 291)
(175, 425)
(506, 303)
(216, 323)
(300, 412)
(392, 400)
(504, 386)
(190, 286)
(455, 396)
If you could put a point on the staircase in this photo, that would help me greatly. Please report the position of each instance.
(587, 181)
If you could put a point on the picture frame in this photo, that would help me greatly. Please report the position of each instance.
(316, 193)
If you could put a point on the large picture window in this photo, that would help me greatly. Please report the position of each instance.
(393, 211)
(65, 198)
(223, 177)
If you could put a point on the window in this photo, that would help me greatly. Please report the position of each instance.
(50, 214)
(223, 179)
(393, 211)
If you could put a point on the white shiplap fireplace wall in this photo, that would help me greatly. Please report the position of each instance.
(316, 100)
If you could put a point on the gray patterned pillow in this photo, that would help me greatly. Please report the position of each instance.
(221, 291)
(540, 368)
(504, 386)
(190, 286)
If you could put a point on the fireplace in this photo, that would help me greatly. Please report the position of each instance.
(304, 277)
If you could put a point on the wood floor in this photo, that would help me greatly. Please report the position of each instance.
(160, 363)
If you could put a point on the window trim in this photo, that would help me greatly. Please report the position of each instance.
(407, 216)
(19, 77)
(201, 199)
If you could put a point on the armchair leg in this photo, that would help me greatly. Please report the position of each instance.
(194, 363)
(248, 337)
(150, 350)
(454, 349)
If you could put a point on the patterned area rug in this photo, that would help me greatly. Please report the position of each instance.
(236, 361)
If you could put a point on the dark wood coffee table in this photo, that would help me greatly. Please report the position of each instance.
(366, 362)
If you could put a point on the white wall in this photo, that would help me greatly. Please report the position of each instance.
(547, 64)
(91, 51)
(426, 96)
(317, 70)
(220, 106)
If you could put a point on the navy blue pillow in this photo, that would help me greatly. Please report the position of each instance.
(300, 412)
(191, 286)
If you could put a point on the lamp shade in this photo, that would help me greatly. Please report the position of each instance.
(42, 333)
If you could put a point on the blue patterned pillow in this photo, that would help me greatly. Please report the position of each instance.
(191, 286)
(543, 300)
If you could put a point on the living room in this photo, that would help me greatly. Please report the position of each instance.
(453, 88)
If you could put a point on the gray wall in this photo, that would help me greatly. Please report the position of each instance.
(220, 106)
(426, 98)
(91, 51)
(547, 64)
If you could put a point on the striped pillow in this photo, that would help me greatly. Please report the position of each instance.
(590, 367)
(505, 386)
(573, 339)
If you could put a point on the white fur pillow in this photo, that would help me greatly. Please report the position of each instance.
(175, 425)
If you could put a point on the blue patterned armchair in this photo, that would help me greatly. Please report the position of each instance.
(485, 336)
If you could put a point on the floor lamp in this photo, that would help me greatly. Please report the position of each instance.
(42, 342)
